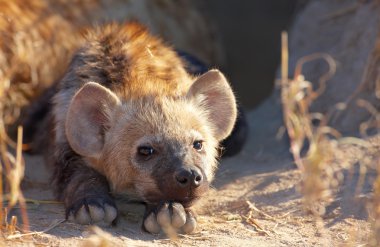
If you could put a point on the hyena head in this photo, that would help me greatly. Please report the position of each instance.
(158, 148)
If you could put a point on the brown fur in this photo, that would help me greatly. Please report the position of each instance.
(125, 89)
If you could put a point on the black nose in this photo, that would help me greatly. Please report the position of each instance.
(189, 178)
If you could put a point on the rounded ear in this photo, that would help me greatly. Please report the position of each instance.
(217, 98)
(88, 118)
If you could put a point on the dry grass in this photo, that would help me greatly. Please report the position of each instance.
(313, 146)
(11, 168)
(375, 209)
(297, 95)
(99, 238)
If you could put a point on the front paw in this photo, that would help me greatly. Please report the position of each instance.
(91, 210)
(169, 217)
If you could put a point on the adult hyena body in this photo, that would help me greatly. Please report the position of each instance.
(128, 119)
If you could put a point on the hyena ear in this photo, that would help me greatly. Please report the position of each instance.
(217, 98)
(88, 118)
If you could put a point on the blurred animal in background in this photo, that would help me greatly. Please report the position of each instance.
(38, 38)
(57, 49)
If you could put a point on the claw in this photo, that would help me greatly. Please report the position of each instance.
(110, 213)
(191, 223)
(151, 224)
(179, 215)
(163, 216)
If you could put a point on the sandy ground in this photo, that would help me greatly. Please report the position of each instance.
(262, 180)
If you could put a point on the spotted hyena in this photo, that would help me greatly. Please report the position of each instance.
(128, 115)
(128, 119)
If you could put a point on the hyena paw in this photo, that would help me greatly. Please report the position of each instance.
(170, 217)
(93, 210)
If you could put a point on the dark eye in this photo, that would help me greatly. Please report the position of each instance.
(198, 145)
(146, 150)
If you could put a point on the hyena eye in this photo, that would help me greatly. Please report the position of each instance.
(146, 150)
(198, 145)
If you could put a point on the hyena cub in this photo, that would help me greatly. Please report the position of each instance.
(129, 120)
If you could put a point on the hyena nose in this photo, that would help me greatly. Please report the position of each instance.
(189, 178)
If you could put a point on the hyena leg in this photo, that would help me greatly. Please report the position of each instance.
(169, 217)
(84, 191)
